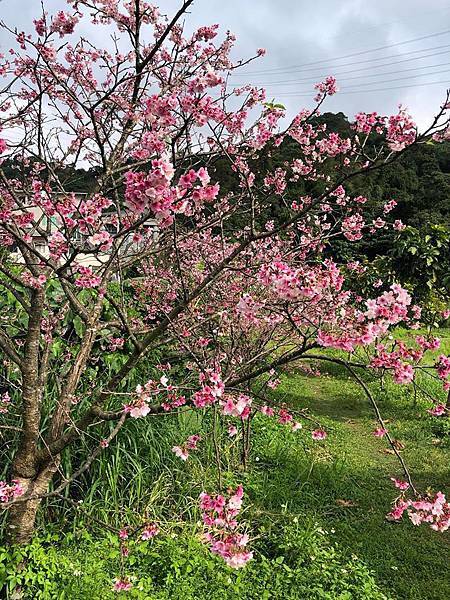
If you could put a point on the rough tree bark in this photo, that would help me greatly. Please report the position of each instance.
(22, 516)
(25, 469)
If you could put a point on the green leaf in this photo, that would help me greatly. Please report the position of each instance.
(274, 105)
(78, 325)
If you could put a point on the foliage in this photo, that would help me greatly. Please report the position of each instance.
(303, 563)
(421, 258)
(298, 491)
(420, 184)
(154, 292)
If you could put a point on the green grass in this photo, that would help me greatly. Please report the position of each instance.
(409, 562)
(316, 510)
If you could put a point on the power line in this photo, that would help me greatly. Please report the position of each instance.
(364, 76)
(447, 70)
(360, 53)
(371, 60)
(400, 87)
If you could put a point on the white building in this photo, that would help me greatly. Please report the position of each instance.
(42, 227)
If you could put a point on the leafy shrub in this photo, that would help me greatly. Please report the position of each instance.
(301, 563)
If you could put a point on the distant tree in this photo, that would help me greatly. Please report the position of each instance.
(421, 259)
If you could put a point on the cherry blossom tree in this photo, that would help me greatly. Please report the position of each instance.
(158, 257)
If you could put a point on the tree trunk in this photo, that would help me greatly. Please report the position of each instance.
(22, 515)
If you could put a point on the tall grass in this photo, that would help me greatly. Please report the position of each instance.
(342, 484)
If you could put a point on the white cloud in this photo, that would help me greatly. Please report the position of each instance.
(298, 32)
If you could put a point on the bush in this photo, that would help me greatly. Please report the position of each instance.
(301, 563)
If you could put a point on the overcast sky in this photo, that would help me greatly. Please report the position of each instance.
(305, 39)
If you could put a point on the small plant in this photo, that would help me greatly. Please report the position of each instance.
(303, 563)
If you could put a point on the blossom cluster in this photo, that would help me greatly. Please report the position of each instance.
(236, 407)
(284, 417)
(153, 191)
(148, 532)
(62, 23)
(86, 278)
(326, 88)
(189, 445)
(10, 491)
(122, 585)
(402, 359)
(219, 517)
(363, 327)
(435, 511)
(443, 370)
(140, 407)
(5, 401)
(400, 129)
(212, 389)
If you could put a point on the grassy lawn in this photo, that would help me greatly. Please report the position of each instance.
(315, 510)
(345, 483)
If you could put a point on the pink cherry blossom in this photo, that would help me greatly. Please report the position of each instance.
(438, 410)
(10, 491)
(138, 409)
(401, 485)
(86, 278)
(232, 430)
(379, 432)
(190, 444)
(432, 510)
(267, 410)
(122, 585)
(398, 225)
(150, 531)
(222, 535)
(236, 406)
(5, 401)
(326, 88)
(273, 383)
(180, 452)
(403, 373)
